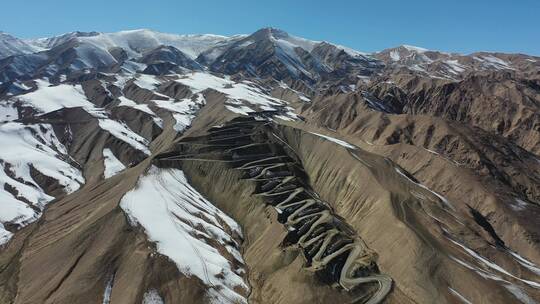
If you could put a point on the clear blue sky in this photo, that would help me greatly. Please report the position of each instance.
(457, 26)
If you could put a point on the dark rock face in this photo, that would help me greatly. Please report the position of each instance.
(271, 53)
(343, 64)
(510, 98)
(167, 60)
(258, 55)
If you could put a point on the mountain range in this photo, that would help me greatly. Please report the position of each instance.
(144, 167)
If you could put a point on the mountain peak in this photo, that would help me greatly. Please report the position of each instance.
(413, 48)
(140, 30)
(269, 32)
(6, 35)
(11, 45)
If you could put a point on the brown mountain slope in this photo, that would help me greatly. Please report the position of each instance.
(306, 173)
(414, 141)
(503, 103)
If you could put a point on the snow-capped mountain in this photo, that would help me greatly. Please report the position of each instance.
(136, 42)
(273, 53)
(143, 167)
(266, 53)
(50, 42)
(10, 46)
(453, 66)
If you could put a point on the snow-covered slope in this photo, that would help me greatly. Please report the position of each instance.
(10, 46)
(35, 147)
(243, 97)
(48, 98)
(29, 150)
(268, 52)
(453, 66)
(185, 227)
(287, 40)
(82, 52)
(50, 42)
(274, 53)
(136, 42)
(111, 163)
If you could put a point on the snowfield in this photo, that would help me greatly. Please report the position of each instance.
(30, 147)
(244, 97)
(178, 220)
(8, 112)
(49, 98)
(136, 42)
(111, 163)
(121, 131)
(148, 82)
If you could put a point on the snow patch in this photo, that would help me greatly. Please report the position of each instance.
(133, 67)
(512, 288)
(300, 95)
(179, 220)
(496, 62)
(519, 205)
(8, 112)
(108, 291)
(141, 107)
(152, 297)
(395, 55)
(242, 110)
(148, 82)
(459, 296)
(121, 131)
(49, 98)
(335, 140)
(183, 111)
(351, 52)
(30, 146)
(136, 42)
(492, 265)
(111, 163)
(440, 197)
(415, 48)
(244, 91)
(525, 263)
(455, 66)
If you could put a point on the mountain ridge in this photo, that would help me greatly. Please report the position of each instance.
(405, 45)
(142, 167)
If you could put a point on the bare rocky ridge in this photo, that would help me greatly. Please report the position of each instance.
(266, 168)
